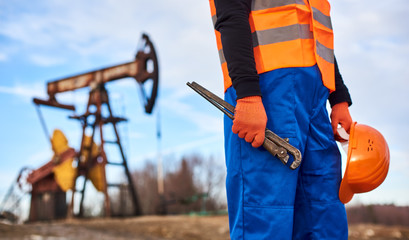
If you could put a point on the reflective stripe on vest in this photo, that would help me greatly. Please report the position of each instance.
(288, 33)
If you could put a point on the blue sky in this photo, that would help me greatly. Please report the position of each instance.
(47, 40)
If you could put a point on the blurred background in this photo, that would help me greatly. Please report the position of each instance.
(46, 40)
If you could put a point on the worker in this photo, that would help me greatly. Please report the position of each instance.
(279, 71)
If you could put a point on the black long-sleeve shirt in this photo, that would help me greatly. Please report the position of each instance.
(233, 25)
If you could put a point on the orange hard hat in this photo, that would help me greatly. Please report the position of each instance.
(367, 162)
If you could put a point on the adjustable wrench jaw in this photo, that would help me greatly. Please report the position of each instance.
(275, 150)
(281, 148)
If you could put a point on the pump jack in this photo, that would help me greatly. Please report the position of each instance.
(144, 69)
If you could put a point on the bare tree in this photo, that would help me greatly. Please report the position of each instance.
(193, 184)
(147, 188)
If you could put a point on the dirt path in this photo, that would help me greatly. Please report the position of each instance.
(141, 228)
(161, 228)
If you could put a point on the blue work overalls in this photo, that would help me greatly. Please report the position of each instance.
(268, 200)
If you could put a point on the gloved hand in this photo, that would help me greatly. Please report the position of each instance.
(340, 115)
(250, 120)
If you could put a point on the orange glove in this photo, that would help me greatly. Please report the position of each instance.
(250, 120)
(340, 115)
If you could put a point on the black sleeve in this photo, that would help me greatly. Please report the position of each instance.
(233, 25)
(341, 93)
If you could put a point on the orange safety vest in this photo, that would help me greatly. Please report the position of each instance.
(288, 33)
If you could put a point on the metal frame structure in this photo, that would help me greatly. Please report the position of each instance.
(143, 69)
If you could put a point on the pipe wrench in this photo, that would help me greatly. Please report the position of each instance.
(274, 144)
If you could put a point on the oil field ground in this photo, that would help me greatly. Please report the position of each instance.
(160, 228)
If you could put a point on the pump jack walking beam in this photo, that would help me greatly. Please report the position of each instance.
(143, 68)
(273, 143)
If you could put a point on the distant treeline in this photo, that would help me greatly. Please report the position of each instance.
(191, 185)
(379, 214)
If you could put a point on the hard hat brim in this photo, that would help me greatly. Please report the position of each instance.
(345, 191)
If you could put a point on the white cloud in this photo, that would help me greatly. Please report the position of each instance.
(399, 162)
(180, 30)
(25, 92)
(3, 57)
(45, 61)
(178, 104)
(134, 135)
(372, 51)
